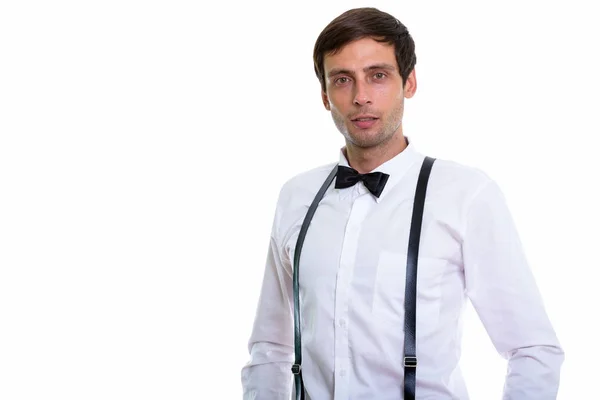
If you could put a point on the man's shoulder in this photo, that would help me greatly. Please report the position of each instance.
(452, 169)
(460, 177)
(309, 177)
(305, 185)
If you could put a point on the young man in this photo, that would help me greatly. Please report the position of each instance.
(353, 266)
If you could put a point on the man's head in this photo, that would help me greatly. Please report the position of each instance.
(365, 60)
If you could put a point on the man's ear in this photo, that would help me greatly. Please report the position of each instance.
(410, 87)
(325, 99)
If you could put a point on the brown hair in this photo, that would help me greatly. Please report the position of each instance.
(359, 23)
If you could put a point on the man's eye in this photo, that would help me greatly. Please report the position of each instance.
(379, 75)
(341, 80)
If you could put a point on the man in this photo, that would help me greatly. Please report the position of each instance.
(353, 265)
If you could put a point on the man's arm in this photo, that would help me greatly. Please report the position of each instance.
(268, 376)
(504, 293)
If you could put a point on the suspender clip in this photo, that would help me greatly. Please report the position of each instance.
(410, 362)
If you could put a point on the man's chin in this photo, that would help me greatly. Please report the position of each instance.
(364, 139)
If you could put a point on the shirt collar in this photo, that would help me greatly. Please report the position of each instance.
(396, 167)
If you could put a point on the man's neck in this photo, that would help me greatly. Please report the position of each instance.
(365, 160)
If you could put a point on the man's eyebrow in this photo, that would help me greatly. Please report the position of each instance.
(380, 66)
(343, 71)
(339, 71)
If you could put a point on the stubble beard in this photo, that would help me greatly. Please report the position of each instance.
(367, 139)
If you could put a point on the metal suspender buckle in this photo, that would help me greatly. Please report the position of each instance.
(410, 362)
(296, 369)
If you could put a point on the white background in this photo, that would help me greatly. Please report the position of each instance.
(143, 144)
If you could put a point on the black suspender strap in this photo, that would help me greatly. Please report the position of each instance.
(297, 367)
(410, 355)
(410, 294)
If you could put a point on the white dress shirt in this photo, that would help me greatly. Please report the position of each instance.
(352, 279)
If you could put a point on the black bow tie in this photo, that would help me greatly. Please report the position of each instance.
(347, 177)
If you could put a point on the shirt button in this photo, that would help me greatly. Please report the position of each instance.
(342, 323)
(343, 372)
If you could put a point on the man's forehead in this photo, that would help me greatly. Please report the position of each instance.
(360, 55)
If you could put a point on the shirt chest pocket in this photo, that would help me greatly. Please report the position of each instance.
(390, 285)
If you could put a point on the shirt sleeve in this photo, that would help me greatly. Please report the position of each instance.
(267, 375)
(503, 291)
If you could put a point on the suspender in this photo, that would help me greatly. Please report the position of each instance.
(410, 295)
(297, 367)
(410, 301)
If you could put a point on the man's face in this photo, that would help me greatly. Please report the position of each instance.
(365, 93)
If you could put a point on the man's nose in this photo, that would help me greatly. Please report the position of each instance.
(361, 94)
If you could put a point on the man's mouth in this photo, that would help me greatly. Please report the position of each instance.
(364, 121)
(363, 117)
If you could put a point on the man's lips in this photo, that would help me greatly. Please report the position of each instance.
(364, 121)
(363, 117)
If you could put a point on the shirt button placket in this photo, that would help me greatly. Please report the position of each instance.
(345, 272)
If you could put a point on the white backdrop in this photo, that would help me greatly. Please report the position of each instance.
(143, 144)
